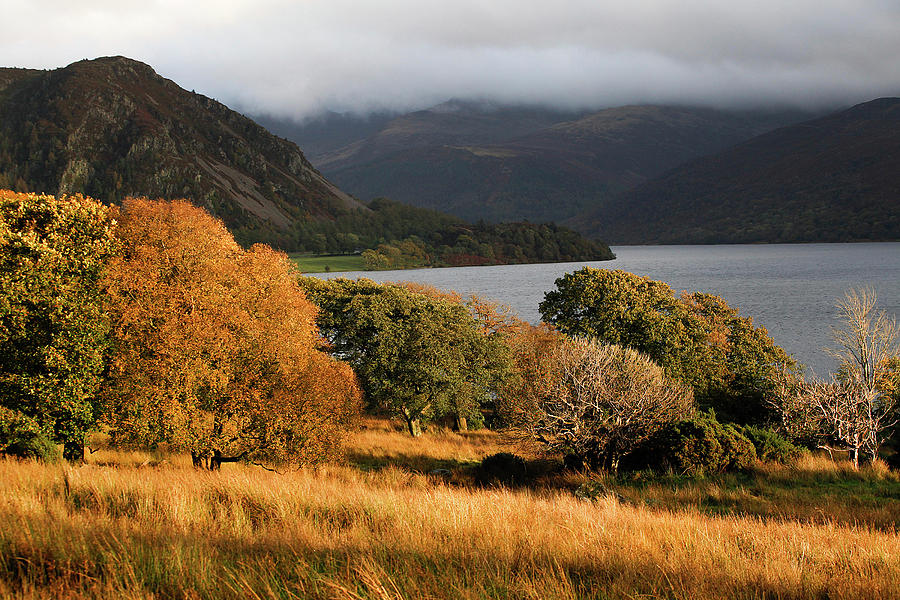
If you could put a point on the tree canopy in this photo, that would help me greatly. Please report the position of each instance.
(215, 347)
(392, 235)
(732, 366)
(53, 331)
(419, 356)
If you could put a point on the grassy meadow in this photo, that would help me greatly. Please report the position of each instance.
(308, 263)
(381, 526)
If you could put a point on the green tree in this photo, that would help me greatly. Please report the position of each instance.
(738, 370)
(53, 331)
(418, 356)
(619, 308)
(732, 366)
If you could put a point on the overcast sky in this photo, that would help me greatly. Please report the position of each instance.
(298, 57)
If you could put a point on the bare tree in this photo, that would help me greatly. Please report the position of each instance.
(867, 339)
(850, 412)
(600, 401)
(848, 416)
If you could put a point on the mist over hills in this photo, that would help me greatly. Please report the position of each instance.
(832, 179)
(111, 127)
(486, 161)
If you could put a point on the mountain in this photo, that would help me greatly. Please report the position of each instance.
(111, 127)
(831, 179)
(484, 161)
(327, 132)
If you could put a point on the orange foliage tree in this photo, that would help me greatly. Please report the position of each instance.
(214, 348)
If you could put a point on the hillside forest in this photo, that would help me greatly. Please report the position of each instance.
(112, 127)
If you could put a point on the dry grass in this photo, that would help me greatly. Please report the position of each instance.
(381, 443)
(168, 531)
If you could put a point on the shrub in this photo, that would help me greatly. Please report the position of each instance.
(695, 446)
(770, 446)
(502, 468)
(738, 452)
(21, 437)
(598, 402)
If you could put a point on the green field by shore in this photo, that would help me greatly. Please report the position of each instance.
(327, 263)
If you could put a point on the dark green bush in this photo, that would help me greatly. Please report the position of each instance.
(503, 468)
(739, 453)
(696, 446)
(771, 447)
(21, 437)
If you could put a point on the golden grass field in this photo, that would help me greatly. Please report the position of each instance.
(135, 525)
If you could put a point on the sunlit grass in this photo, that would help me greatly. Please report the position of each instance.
(380, 443)
(153, 527)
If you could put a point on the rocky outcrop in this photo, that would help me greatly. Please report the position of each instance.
(111, 127)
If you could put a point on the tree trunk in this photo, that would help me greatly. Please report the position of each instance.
(614, 464)
(415, 426)
(73, 450)
(200, 461)
(215, 463)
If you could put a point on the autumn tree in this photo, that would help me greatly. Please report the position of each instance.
(595, 402)
(418, 356)
(215, 347)
(732, 366)
(53, 331)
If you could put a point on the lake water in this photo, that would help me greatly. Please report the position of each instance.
(788, 288)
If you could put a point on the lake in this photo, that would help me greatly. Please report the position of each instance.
(790, 289)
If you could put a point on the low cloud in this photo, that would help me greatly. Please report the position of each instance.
(300, 57)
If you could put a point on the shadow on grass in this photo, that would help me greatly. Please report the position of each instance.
(417, 463)
(827, 498)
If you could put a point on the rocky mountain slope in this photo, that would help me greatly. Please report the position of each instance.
(831, 179)
(111, 127)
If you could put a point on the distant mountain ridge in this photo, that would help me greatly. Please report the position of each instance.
(831, 179)
(111, 127)
(492, 162)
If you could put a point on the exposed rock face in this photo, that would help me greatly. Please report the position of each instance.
(112, 127)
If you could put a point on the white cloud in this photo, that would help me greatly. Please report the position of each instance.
(299, 56)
